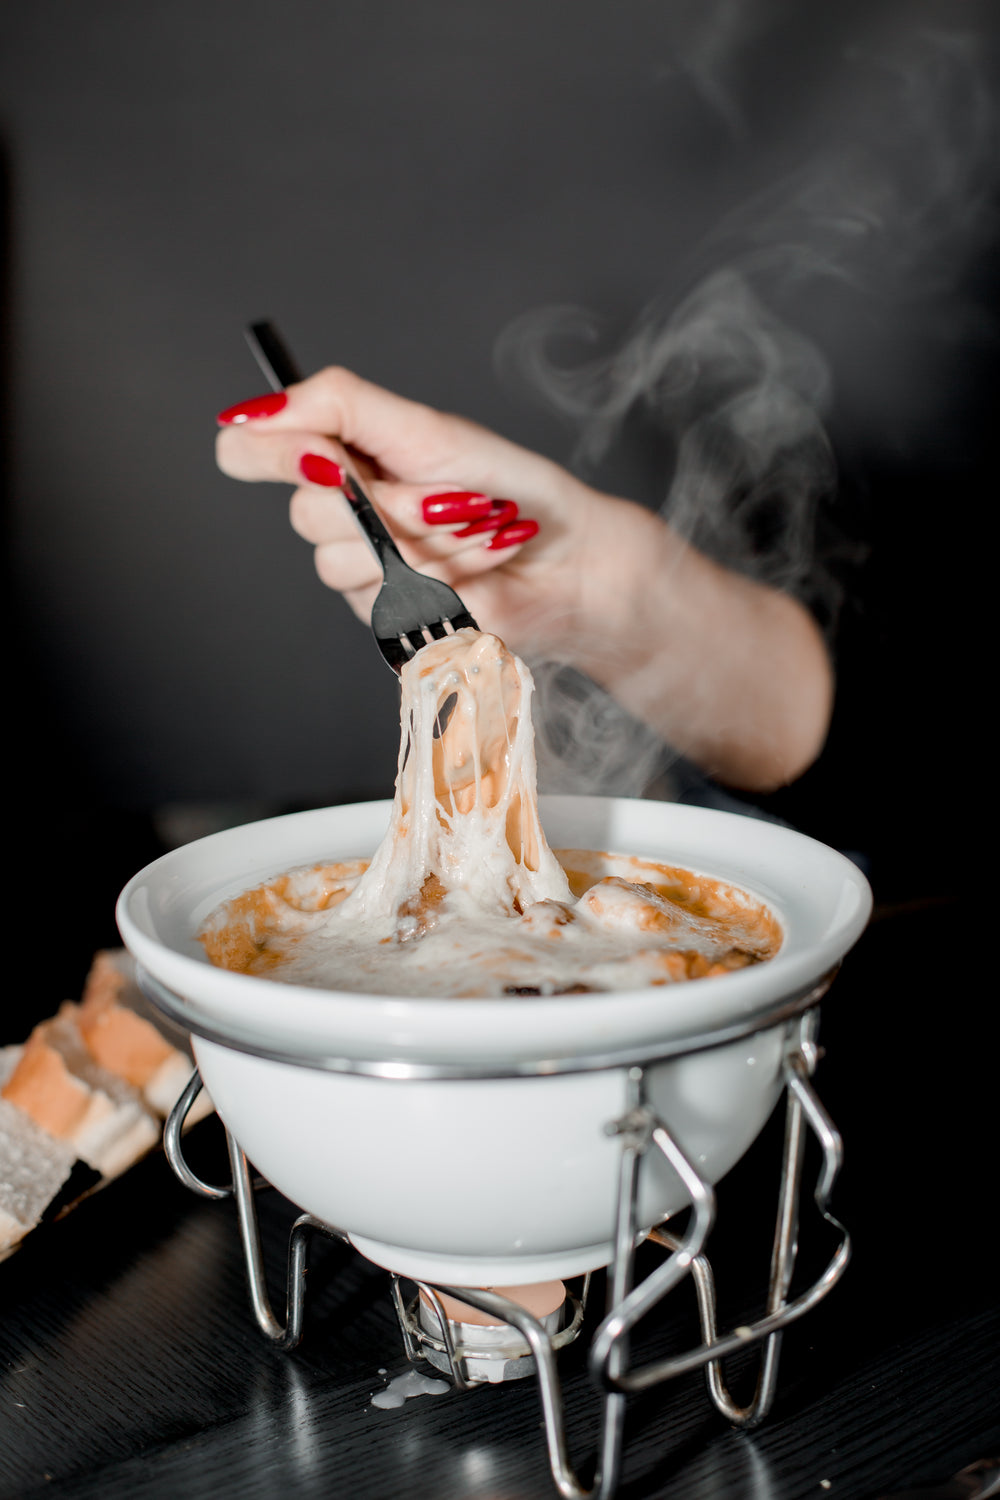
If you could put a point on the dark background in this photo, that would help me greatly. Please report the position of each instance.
(396, 185)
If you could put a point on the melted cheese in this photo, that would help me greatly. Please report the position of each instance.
(464, 897)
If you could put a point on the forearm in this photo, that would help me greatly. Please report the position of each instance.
(733, 675)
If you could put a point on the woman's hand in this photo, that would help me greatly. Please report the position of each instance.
(732, 674)
(463, 504)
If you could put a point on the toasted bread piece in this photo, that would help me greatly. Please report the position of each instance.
(120, 1040)
(121, 1035)
(60, 1086)
(43, 1087)
(33, 1169)
(85, 1096)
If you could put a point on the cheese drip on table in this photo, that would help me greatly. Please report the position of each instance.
(464, 897)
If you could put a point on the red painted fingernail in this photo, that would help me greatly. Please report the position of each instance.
(500, 513)
(320, 470)
(513, 535)
(457, 505)
(248, 411)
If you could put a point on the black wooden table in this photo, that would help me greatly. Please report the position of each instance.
(130, 1365)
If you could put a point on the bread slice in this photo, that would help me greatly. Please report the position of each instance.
(33, 1169)
(59, 1085)
(124, 1035)
(85, 1097)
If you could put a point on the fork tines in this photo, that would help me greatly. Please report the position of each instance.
(399, 646)
(411, 609)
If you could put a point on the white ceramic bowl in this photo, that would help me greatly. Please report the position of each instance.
(338, 1098)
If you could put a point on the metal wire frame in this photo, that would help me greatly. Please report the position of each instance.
(781, 1009)
(639, 1129)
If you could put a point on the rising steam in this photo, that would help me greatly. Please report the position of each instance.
(888, 211)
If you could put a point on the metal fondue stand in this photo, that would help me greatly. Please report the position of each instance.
(639, 1130)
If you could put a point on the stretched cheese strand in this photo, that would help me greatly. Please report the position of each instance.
(465, 815)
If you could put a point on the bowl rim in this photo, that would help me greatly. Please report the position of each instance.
(158, 913)
(785, 1009)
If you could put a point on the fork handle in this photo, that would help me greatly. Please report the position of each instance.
(376, 535)
(271, 353)
(280, 369)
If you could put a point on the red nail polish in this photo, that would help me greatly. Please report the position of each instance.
(320, 470)
(500, 513)
(513, 535)
(248, 411)
(456, 505)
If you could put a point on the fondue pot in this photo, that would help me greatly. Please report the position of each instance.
(497, 1142)
(354, 1105)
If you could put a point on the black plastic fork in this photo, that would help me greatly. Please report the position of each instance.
(410, 610)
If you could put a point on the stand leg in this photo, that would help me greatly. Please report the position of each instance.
(289, 1335)
(803, 1107)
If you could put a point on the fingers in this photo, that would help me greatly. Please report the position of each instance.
(446, 534)
(402, 436)
(350, 566)
(427, 525)
(252, 451)
(402, 439)
(260, 452)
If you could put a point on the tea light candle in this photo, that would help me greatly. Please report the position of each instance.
(540, 1298)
